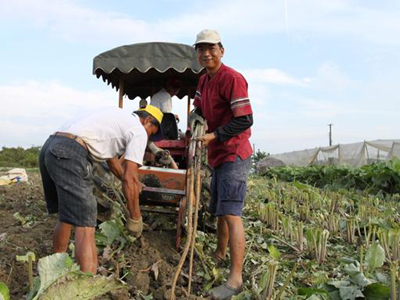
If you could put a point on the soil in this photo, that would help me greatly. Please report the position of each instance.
(152, 259)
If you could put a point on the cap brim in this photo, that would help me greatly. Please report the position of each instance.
(158, 136)
(207, 42)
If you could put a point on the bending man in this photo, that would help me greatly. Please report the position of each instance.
(66, 163)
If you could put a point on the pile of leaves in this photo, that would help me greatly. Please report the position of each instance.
(381, 177)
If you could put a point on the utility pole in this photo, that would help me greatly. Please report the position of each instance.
(330, 134)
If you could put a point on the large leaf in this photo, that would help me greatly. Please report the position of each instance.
(376, 291)
(53, 267)
(110, 230)
(338, 284)
(82, 287)
(4, 291)
(356, 276)
(375, 257)
(382, 278)
(350, 292)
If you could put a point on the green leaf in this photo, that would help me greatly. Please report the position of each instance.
(382, 278)
(243, 296)
(356, 276)
(304, 291)
(301, 186)
(34, 291)
(208, 286)
(334, 295)
(4, 291)
(274, 252)
(376, 291)
(350, 292)
(338, 284)
(216, 273)
(110, 230)
(25, 258)
(375, 257)
(346, 260)
(19, 218)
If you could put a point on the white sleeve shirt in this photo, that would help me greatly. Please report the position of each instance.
(162, 100)
(110, 133)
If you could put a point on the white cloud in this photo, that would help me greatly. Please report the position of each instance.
(259, 94)
(32, 110)
(273, 76)
(72, 21)
(330, 77)
(297, 118)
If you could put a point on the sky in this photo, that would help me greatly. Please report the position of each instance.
(308, 63)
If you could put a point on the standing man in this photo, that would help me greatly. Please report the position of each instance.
(66, 162)
(222, 99)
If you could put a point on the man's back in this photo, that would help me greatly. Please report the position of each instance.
(109, 132)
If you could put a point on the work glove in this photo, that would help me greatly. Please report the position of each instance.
(163, 157)
(195, 118)
(135, 227)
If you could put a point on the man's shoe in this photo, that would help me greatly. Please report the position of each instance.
(224, 292)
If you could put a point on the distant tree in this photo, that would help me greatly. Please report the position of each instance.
(257, 156)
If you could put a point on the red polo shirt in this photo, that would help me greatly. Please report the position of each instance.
(221, 98)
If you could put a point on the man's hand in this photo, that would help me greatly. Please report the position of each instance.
(163, 157)
(207, 138)
(141, 186)
(135, 227)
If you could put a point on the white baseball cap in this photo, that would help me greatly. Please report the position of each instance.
(208, 36)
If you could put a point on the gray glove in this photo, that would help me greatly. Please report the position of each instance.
(195, 118)
(163, 157)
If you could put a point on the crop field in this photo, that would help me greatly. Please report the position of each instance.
(302, 242)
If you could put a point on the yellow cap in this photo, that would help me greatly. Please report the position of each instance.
(154, 111)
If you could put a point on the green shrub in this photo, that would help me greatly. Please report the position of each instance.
(378, 177)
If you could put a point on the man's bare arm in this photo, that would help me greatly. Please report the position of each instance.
(116, 167)
(131, 189)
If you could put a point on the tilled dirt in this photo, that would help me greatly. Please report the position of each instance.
(151, 260)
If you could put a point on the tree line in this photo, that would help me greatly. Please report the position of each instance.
(18, 157)
(11, 157)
